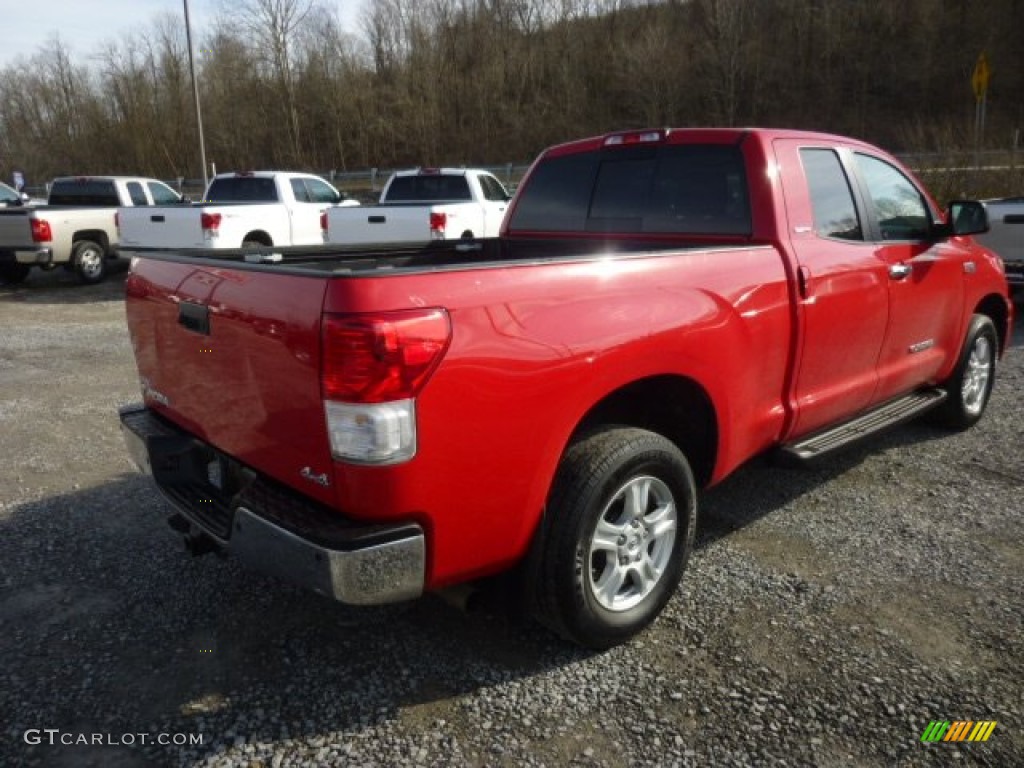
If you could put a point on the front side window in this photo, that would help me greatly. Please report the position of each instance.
(162, 194)
(493, 189)
(835, 213)
(899, 207)
(320, 192)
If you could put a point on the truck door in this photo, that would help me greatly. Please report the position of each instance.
(312, 197)
(925, 278)
(842, 286)
(495, 202)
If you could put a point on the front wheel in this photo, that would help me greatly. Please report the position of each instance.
(619, 528)
(970, 386)
(90, 261)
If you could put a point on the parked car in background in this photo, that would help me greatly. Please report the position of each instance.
(238, 210)
(1006, 236)
(12, 198)
(76, 228)
(421, 205)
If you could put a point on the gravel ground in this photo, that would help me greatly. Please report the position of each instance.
(828, 615)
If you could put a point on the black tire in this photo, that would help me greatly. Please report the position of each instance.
(90, 261)
(600, 589)
(970, 386)
(259, 241)
(13, 273)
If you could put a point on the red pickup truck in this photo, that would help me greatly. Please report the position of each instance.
(660, 307)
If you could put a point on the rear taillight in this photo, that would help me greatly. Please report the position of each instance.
(210, 222)
(117, 222)
(41, 232)
(323, 224)
(375, 358)
(373, 366)
(438, 222)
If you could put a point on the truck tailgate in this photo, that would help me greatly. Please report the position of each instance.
(14, 228)
(160, 227)
(371, 225)
(233, 357)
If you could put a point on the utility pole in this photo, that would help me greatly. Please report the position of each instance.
(195, 94)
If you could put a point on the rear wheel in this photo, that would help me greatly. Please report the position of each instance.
(90, 261)
(13, 273)
(970, 386)
(618, 531)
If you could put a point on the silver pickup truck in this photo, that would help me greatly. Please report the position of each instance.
(1006, 237)
(76, 228)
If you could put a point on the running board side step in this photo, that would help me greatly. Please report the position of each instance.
(884, 416)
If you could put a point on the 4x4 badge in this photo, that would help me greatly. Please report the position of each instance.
(309, 474)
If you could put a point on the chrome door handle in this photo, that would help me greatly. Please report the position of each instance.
(900, 271)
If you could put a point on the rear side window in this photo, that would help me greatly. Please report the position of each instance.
(242, 189)
(137, 193)
(685, 189)
(87, 192)
(428, 188)
(299, 190)
(835, 213)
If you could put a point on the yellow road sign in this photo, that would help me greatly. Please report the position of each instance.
(980, 78)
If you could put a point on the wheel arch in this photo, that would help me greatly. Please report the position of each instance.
(995, 308)
(258, 236)
(674, 406)
(97, 236)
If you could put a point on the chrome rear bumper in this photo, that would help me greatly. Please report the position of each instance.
(273, 529)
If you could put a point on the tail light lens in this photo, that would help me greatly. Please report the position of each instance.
(210, 222)
(438, 223)
(41, 231)
(117, 221)
(373, 366)
(376, 358)
(323, 222)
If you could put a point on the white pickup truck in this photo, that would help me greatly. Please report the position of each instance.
(1006, 237)
(239, 210)
(421, 205)
(76, 228)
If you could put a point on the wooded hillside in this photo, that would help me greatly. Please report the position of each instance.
(495, 81)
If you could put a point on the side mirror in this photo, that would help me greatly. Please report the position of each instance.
(965, 217)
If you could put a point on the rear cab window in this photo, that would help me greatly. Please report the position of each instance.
(242, 189)
(428, 188)
(698, 189)
(85, 192)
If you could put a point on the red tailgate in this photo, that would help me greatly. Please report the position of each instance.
(233, 356)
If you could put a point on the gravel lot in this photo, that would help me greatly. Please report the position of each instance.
(827, 616)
